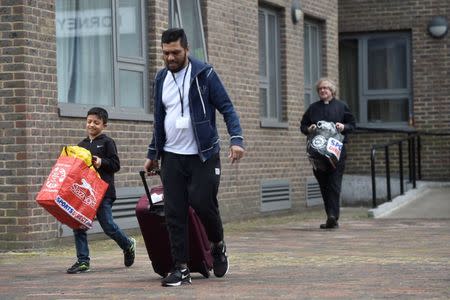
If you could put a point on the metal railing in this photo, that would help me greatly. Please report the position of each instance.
(411, 165)
(414, 158)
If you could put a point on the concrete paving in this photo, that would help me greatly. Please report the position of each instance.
(429, 200)
(287, 257)
(434, 203)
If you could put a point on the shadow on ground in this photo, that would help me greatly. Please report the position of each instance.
(284, 257)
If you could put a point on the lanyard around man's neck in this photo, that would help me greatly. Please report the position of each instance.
(182, 87)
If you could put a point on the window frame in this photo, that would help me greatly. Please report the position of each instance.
(366, 94)
(311, 89)
(120, 63)
(264, 81)
(172, 22)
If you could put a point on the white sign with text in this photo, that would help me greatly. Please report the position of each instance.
(94, 22)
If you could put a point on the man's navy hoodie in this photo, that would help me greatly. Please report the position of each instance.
(206, 95)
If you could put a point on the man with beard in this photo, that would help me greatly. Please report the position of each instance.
(187, 94)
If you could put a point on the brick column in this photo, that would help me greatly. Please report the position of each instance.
(28, 106)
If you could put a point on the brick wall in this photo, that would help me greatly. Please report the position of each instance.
(27, 93)
(430, 74)
(32, 132)
(232, 37)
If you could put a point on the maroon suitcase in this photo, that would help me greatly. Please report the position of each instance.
(153, 227)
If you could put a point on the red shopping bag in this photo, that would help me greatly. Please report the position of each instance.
(72, 192)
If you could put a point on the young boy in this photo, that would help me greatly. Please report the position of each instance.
(106, 162)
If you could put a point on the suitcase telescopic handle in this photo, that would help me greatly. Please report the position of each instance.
(144, 181)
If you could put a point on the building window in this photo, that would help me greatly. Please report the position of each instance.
(101, 57)
(269, 68)
(186, 14)
(312, 59)
(375, 77)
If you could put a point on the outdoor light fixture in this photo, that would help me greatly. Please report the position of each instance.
(296, 11)
(438, 27)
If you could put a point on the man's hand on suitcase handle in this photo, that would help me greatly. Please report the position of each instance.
(151, 167)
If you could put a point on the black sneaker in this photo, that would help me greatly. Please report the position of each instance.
(130, 254)
(78, 267)
(177, 277)
(220, 264)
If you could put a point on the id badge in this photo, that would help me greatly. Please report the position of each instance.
(182, 123)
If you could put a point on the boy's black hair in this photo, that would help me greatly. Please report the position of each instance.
(99, 112)
(174, 34)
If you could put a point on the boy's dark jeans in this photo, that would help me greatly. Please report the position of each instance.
(105, 218)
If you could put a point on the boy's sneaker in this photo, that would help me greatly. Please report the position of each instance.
(78, 267)
(220, 264)
(177, 277)
(130, 254)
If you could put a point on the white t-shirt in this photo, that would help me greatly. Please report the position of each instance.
(179, 138)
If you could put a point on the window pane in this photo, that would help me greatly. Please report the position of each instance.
(387, 63)
(130, 83)
(269, 65)
(84, 51)
(262, 45)
(314, 54)
(387, 110)
(130, 24)
(312, 60)
(307, 57)
(348, 74)
(273, 72)
(192, 24)
(175, 18)
(307, 100)
(263, 101)
(377, 90)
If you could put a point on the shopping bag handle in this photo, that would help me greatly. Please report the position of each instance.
(67, 154)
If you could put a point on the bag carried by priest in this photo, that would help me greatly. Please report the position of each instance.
(324, 146)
